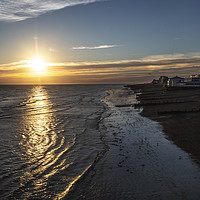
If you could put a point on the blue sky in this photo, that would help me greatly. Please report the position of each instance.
(88, 31)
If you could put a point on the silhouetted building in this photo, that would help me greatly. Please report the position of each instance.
(175, 81)
(155, 81)
(163, 80)
(195, 77)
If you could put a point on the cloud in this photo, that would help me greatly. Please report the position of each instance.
(94, 48)
(17, 10)
(173, 56)
(122, 71)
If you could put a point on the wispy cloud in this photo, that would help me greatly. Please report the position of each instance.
(173, 56)
(96, 47)
(17, 10)
(122, 71)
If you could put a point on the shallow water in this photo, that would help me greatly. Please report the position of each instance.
(140, 163)
(63, 142)
(49, 137)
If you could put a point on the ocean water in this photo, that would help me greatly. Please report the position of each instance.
(49, 138)
(140, 162)
(73, 142)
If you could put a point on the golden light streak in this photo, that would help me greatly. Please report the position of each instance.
(39, 71)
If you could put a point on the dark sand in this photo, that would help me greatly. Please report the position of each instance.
(177, 110)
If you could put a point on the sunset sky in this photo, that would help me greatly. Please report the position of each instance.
(97, 41)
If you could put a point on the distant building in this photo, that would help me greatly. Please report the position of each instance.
(175, 82)
(190, 82)
(163, 80)
(181, 84)
(155, 81)
(195, 78)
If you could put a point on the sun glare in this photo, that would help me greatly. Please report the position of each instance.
(38, 65)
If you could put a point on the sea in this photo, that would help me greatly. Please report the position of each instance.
(49, 138)
(87, 142)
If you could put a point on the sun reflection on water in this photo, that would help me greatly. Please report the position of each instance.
(39, 121)
(44, 147)
(41, 141)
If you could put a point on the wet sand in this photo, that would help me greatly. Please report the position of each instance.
(177, 110)
(140, 163)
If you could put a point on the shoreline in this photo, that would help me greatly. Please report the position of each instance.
(178, 111)
(140, 163)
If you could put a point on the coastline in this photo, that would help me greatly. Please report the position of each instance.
(139, 163)
(178, 111)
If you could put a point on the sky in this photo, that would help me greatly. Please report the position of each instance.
(97, 41)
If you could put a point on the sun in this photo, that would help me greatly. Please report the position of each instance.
(38, 65)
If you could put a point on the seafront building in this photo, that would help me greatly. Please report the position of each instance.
(194, 79)
(163, 80)
(191, 81)
(175, 81)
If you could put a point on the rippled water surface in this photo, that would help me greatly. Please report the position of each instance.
(49, 138)
(73, 142)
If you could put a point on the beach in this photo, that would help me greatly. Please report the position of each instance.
(139, 162)
(90, 142)
(178, 111)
